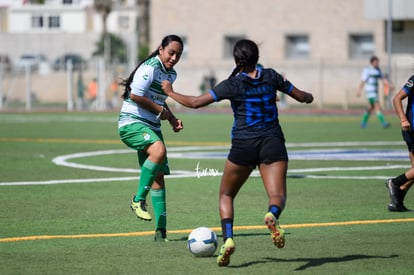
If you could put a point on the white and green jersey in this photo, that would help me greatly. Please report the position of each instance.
(370, 76)
(146, 82)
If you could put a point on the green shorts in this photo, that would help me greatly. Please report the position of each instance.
(372, 100)
(138, 136)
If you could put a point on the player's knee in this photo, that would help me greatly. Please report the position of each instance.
(157, 151)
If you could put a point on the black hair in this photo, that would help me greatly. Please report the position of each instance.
(373, 58)
(246, 55)
(164, 43)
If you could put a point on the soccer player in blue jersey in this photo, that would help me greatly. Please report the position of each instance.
(257, 138)
(399, 186)
(139, 127)
(369, 82)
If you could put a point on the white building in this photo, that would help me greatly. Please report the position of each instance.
(60, 26)
(320, 45)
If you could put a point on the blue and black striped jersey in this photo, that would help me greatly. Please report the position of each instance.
(409, 89)
(253, 101)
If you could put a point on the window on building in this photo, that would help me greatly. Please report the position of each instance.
(297, 46)
(123, 22)
(361, 46)
(54, 22)
(67, 2)
(398, 26)
(37, 21)
(229, 42)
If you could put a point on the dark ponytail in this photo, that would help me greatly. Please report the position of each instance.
(164, 43)
(246, 55)
(235, 71)
(127, 82)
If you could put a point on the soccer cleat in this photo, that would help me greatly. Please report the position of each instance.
(160, 236)
(140, 209)
(226, 250)
(393, 191)
(386, 125)
(397, 207)
(278, 234)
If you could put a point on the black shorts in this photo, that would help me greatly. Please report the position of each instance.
(408, 137)
(252, 152)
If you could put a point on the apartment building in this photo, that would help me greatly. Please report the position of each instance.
(60, 26)
(320, 45)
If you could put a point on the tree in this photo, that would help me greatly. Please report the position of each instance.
(104, 7)
(37, 1)
(117, 53)
(143, 28)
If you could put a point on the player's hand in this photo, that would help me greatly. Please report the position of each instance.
(165, 114)
(308, 98)
(166, 87)
(405, 125)
(176, 124)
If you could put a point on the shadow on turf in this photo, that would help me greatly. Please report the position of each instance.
(219, 236)
(314, 262)
(309, 262)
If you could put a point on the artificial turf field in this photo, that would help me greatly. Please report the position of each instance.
(66, 182)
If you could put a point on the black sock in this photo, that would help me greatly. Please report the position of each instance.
(163, 232)
(400, 180)
(275, 210)
(227, 228)
(401, 195)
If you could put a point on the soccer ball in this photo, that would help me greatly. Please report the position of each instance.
(202, 242)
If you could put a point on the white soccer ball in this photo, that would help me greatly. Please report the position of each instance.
(202, 242)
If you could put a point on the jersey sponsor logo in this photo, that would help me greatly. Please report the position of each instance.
(409, 83)
(165, 77)
(259, 90)
(158, 99)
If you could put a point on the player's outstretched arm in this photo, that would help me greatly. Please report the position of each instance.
(399, 109)
(187, 100)
(301, 96)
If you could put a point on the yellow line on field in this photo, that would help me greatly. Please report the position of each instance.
(183, 231)
(102, 141)
(60, 140)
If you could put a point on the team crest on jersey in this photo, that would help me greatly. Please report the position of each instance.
(147, 136)
(145, 77)
(409, 84)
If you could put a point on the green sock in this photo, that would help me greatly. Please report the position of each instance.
(381, 118)
(365, 118)
(149, 171)
(159, 205)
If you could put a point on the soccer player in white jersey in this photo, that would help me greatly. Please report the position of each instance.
(369, 83)
(139, 127)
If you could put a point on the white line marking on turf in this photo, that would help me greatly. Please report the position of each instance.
(192, 174)
(184, 174)
(209, 152)
(345, 144)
